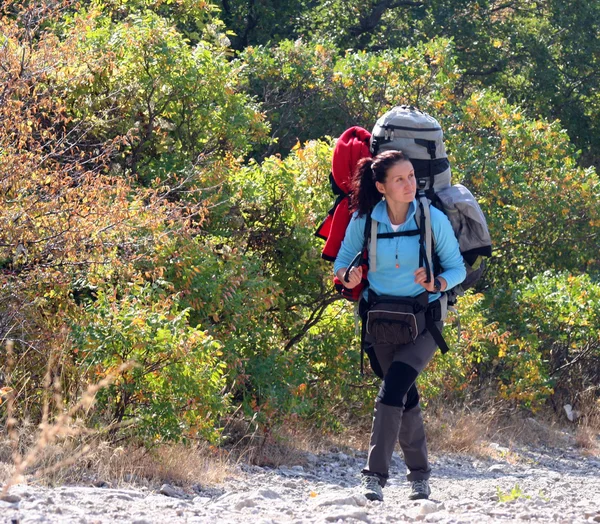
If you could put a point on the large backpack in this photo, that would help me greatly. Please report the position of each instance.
(421, 138)
(351, 146)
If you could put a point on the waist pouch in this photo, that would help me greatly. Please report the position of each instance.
(396, 320)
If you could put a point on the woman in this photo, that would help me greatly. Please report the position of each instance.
(385, 186)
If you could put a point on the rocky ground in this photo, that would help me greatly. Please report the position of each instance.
(524, 485)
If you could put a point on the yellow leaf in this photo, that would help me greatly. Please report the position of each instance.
(313, 494)
(5, 391)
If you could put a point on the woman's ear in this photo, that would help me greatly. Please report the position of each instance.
(380, 187)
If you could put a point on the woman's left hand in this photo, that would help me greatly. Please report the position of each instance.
(421, 276)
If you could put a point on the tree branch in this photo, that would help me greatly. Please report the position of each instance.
(590, 347)
(370, 21)
(490, 71)
(314, 319)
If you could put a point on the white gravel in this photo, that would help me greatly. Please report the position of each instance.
(559, 486)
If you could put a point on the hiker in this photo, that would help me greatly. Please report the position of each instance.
(384, 189)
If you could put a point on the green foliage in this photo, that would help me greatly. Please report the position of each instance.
(333, 385)
(555, 307)
(133, 216)
(308, 91)
(174, 389)
(539, 204)
(488, 360)
(559, 314)
(515, 493)
(539, 55)
(253, 23)
(174, 105)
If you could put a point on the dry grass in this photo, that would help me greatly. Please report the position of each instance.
(588, 441)
(288, 445)
(478, 432)
(84, 459)
(76, 462)
(587, 435)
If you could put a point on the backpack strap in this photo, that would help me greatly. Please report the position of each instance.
(358, 259)
(375, 236)
(423, 220)
(373, 246)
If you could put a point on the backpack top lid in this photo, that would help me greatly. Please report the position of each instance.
(420, 137)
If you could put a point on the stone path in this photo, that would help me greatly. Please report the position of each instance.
(542, 486)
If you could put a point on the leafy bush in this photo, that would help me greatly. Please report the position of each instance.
(487, 362)
(175, 388)
(559, 314)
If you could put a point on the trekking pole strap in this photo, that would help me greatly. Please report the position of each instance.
(436, 334)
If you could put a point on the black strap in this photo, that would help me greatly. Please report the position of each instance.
(429, 144)
(357, 260)
(367, 231)
(436, 334)
(411, 233)
(423, 262)
(408, 128)
(336, 191)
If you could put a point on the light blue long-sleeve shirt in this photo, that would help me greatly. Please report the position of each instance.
(388, 279)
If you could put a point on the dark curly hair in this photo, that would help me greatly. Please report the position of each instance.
(365, 194)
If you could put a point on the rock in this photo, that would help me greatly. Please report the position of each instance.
(428, 506)
(312, 459)
(344, 515)
(245, 502)
(342, 457)
(10, 498)
(201, 500)
(571, 413)
(268, 493)
(340, 499)
(122, 496)
(433, 517)
(6, 505)
(498, 447)
(292, 472)
(171, 491)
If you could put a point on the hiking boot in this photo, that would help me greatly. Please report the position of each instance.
(419, 489)
(371, 488)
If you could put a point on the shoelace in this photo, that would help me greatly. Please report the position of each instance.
(420, 486)
(370, 481)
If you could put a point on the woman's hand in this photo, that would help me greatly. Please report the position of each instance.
(354, 277)
(421, 276)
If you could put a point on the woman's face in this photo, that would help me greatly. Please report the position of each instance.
(400, 183)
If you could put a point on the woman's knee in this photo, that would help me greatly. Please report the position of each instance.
(396, 384)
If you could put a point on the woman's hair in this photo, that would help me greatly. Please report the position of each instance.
(368, 171)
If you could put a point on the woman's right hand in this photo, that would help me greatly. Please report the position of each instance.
(354, 277)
